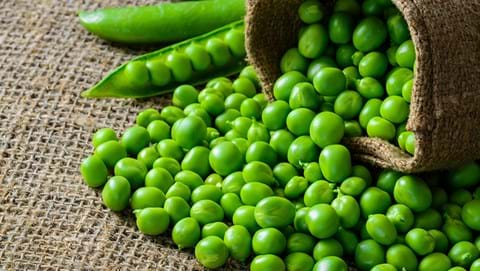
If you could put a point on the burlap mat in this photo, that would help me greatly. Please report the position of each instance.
(49, 219)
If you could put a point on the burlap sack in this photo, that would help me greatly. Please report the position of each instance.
(49, 219)
(445, 108)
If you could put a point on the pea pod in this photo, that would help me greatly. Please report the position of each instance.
(194, 61)
(165, 22)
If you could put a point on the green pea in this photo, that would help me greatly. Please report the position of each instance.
(206, 211)
(464, 176)
(401, 216)
(145, 117)
(348, 211)
(252, 193)
(235, 39)
(398, 29)
(133, 170)
(402, 257)
(340, 28)
(357, 57)
(276, 212)
(329, 81)
(452, 211)
(299, 120)
(134, 139)
(457, 268)
(475, 265)
(369, 88)
(148, 156)
(317, 64)
(170, 148)
(261, 151)
(391, 55)
(311, 11)
(136, 74)
(189, 178)
(413, 192)
(368, 254)
(387, 180)
(225, 158)
(420, 241)
(299, 261)
(302, 150)
(209, 91)
(275, 114)
(267, 262)
(394, 109)
(304, 95)
(170, 114)
(373, 64)
(186, 233)
(258, 172)
(191, 107)
(94, 171)
(441, 241)
(463, 253)
(245, 216)
(380, 128)
(206, 191)
(180, 66)
(241, 125)
(283, 172)
(214, 229)
(261, 99)
(219, 51)
(470, 214)
(322, 220)
(410, 143)
(233, 183)
(280, 141)
(407, 90)
(177, 208)
(335, 163)
(369, 34)
(292, 60)
(352, 75)
(374, 201)
(300, 242)
(224, 86)
(258, 132)
(244, 86)
(214, 179)
(348, 240)
(213, 104)
(299, 221)
(238, 241)
(330, 263)
(353, 128)
(362, 172)
(230, 202)
(326, 129)
(296, 187)
(353, 186)
(344, 55)
(152, 221)
(250, 73)
(327, 247)
(396, 79)
(384, 267)
(284, 84)
(312, 42)
(168, 163)
(251, 109)
(435, 261)
(460, 197)
(159, 178)
(184, 95)
(116, 193)
(268, 241)
(179, 190)
(405, 54)
(196, 160)
(312, 172)
(158, 131)
(103, 135)
(351, 7)
(160, 74)
(381, 229)
(348, 104)
(198, 56)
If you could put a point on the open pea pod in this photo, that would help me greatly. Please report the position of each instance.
(194, 61)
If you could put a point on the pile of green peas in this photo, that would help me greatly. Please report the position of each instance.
(357, 63)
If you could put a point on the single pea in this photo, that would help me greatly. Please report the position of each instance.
(283, 172)
(206, 191)
(401, 216)
(258, 132)
(396, 79)
(225, 158)
(252, 193)
(420, 241)
(198, 56)
(134, 139)
(384, 267)
(170, 148)
(352, 75)
(233, 183)
(463, 253)
(302, 150)
(145, 117)
(261, 99)
(235, 39)
(300, 242)
(391, 51)
(329, 81)
(284, 84)
(373, 64)
(267, 262)
(398, 29)
(245, 216)
(402, 257)
(299, 261)
(210, 91)
(470, 214)
(435, 261)
(380, 128)
(317, 64)
(268, 241)
(244, 86)
(304, 95)
(374, 201)
(217, 229)
(206, 211)
(214, 179)
(299, 221)
(369, 88)
(202, 114)
(179, 190)
(394, 109)
(136, 74)
(322, 220)
(381, 229)
(296, 187)
(353, 186)
(211, 252)
(196, 160)
(170, 114)
(231, 135)
(158, 130)
(326, 128)
(159, 178)
(407, 90)
(168, 163)
(327, 247)
(439, 197)
(348, 240)
(116, 193)
(293, 60)
(224, 86)
(213, 104)
(344, 55)
(184, 95)
(413, 192)
(441, 241)
(353, 129)
(148, 156)
(152, 220)
(387, 180)
(299, 120)
(362, 172)
(261, 151)
(312, 172)
(219, 51)
(250, 73)
(177, 208)
(103, 135)
(160, 74)
(312, 42)
(348, 212)
(348, 104)
(110, 152)
(145, 197)
(368, 254)
(340, 27)
(241, 125)
(405, 54)
(186, 233)
(276, 212)
(133, 170)
(335, 163)
(238, 241)
(369, 34)
(370, 110)
(460, 197)
(410, 143)
(311, 11)
(251, 109)
(281, 140)
(464, 176)
(230, 202)
(330, 263)
(180, 66)
(94, 171)
(189, 178)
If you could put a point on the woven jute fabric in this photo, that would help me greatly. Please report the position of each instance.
(445, 108)
(49, 219)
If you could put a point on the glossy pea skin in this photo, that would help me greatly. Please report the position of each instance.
(268, 241)
(387, 179)
(405, 54)
(353, 186)
(368, 254)
(299, 121)
(168, 163)
(300, 242)
(348, 240)
(322, 220)
(148, 156)
(213, 104)
(160, 74)
(198, 56)
(110, 152)
(299, 261)
(373, 64)
(184, 95)
(312, 172)
(133, 170)
(116, 193)
(413, 192)
(252, 193)
(211, 252)
(267, 262)
(103, 135)
(463, 253)
(292, 60)
(214, 179)
(159, 178)
(470, 214)
(327, 247)
(312, 42)
(381, 229)
(261, 151)
(250, 73)
(420, 241)
(245, 216)
(330, 263)
(284, 84)
(196, 160)
(251, 109)
(180, 66)
(435, 261)
(295, 187)
(158, 130)
(370, 110)
(241, 125)
(398, 29)
(189, 131)
(222, 121)
(280, 141)
(464, 176)
(94, 171)
(335, 163)
(352, 75)
(244, 86)
(329, 81)
(348, 104)
(225, 158)
(134, 139)
(369, 34)
(145, 197)
(402, 257)
(152, 220)
(206, 211)
(302, 150)
(177, 208)
(401, 216)
(317, 64)
(374, 201)
(340, 28)
(233, 183)
(369, 88)
(257, 171)
(217, 229)
(219, 51)
(238, 241)
(362, 172)
(189, 178)
(394, 109)
(275, 114)
(283, 172)
(230, 202)
(380, 128)
(275, 212)
(396, 79)
(206, 191)
(304, 95)
(428, 219)
(343, 56)
(136, 74)
(235, 39)
(353, 129)
(170, 114)
(326, 128)
(179, 189)
(348, 212)
(170, 148)
(456, 231)
(384, 267)
(311, 11)
(299, 222)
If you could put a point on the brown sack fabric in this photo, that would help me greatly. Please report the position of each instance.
(445, 108)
